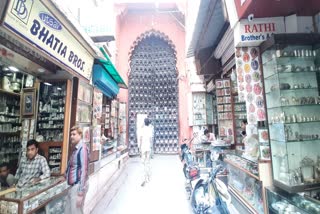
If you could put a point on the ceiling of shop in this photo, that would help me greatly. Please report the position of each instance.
(271, 8)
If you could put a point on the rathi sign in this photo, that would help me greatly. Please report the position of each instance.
(32, 21)
(252, 33)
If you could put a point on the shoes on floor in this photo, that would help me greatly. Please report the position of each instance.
(143, 184)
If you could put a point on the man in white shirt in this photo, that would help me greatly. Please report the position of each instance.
(145, 141)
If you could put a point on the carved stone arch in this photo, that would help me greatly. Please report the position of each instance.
(153, 90)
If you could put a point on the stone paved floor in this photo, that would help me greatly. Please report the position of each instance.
(165, 194)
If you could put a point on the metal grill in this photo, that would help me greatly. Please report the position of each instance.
(153, 90)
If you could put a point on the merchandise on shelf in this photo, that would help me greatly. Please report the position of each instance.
(51, 111)
(225, 110)
(291, 78)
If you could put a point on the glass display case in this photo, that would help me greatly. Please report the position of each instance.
(32, 198)
(235, 158)
(291, 65)
(247, 178)
(246, 188)
(282, 202)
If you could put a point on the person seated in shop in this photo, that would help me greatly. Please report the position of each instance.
(6, 179)
(244, 124)
(208, 136)
(34, 168)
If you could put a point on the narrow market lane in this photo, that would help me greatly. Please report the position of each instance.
(164, 194)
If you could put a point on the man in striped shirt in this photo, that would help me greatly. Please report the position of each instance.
(77, 172)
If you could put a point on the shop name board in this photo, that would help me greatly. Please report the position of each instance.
(252, 33)
(31, 20)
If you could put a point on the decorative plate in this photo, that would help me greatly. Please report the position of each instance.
(240, 78)
(239, 62)
(247, 68)
(246, 57)
(248, 78)
(250, 98)
(261, 114)
(226, 83)
(252, 108)
(252, 119)
(254, 53)
(265, 152)
(259, 102)
(256, 76)
(219, 84)
(241, 88)
(249, 88)
(239, 71)
(255, 64)
(263, 135)
(257, 89)
(227, 91)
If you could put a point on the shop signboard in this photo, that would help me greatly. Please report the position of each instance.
(252, 33)
(32, 21)
(2, 9)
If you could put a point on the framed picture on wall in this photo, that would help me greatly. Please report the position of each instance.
(29, 101)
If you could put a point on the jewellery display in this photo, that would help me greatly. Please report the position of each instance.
(32, 197)
(247, 187)
(283, 202)
(237, 159)
(292, 100)
(54, 159)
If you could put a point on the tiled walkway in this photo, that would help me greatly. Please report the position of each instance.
(164, 194)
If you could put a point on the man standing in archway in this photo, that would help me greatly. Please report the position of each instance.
(145, 141)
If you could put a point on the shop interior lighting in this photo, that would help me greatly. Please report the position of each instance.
(41, 70)
(46, 83)
(58, 88)
(5, 69)
(14, 69)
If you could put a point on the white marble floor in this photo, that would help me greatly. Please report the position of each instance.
(165, 194)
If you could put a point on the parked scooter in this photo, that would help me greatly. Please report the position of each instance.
(211, 195)
(191, 168)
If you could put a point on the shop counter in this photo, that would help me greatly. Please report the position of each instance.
(48, 194)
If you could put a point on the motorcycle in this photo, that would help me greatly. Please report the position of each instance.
(211, 195)
(191, 168)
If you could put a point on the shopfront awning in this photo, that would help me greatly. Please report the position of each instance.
(104, 81)
(112, 71)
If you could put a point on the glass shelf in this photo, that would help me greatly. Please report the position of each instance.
(286, 74)
(295, 141)
(287, 59)
(291, 90)
(297, 106)
(307, 122)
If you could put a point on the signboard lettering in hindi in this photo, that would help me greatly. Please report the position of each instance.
(32, 21)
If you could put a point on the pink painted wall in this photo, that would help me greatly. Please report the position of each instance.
(129, 26)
